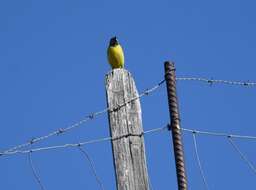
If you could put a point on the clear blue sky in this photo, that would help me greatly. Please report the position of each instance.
(52, 69)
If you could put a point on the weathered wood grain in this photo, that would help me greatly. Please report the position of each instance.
(128, 151)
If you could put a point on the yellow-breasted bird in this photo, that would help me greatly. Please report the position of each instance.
(115, 54)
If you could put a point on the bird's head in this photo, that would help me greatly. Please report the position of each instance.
(113, 41)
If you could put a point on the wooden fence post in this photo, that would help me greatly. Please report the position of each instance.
(126, 131)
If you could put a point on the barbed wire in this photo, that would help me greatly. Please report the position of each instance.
(230, 137)
(91, 166)
(219, 134)
(199, 162)
(18, 149)
(35, 174)
(86, 119)
(146, 92)
(81, 143)
(247, 161)
(212, 81)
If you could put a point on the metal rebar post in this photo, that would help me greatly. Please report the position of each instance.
(175, 125)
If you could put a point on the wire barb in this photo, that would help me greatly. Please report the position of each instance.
(86, 119)
(91, 166)
(198, 161)
(35, 174)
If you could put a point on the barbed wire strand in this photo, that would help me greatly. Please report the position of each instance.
(81, 143)
(229, 136)
(247, 161)
(91, 166)
(212, 81)
(219, 134)
(199, 162)
(146, 92)
(79, 123)
(35, 174)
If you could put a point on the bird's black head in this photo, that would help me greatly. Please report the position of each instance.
(113, 41)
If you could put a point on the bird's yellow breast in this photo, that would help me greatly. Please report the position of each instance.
(116, 56)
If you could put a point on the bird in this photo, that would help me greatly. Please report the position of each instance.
(115, 54)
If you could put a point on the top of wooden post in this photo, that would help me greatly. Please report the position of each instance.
(125, 122)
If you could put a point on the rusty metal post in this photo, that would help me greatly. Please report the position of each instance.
(170, 78)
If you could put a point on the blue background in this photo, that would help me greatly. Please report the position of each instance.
(52, 69)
